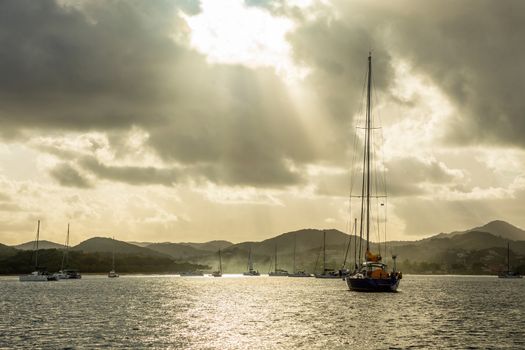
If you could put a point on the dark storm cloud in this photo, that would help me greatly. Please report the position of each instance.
(473, 50)
(113, 66)
(68, 176)
(134, 175)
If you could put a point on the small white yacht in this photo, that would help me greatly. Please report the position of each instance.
(112, 273)
(277, 272)
(297, 273)
(40, 274)
(251, 271)
(218, 273)
(66, 273)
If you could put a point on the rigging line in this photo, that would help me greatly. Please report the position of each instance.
(375, 145)
(362, 192)
(353, 168)
(383, 178)
(376, 182)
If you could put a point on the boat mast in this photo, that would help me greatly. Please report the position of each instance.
(508, 256)
(220, 262)
(368, 117)
(355, 242)
(37, 238)
(275, 259)
(67, 246)
(250, 264)
(113, 255)
(347, 250)
(324, 251)
(65, 256)
(294, 246)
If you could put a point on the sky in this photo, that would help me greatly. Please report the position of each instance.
(229, 119)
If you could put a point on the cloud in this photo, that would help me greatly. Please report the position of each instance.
(66, 175)
(134, 175)
(405, 177)
(128, 65)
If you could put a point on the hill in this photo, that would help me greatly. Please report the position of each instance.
(470, 251)
(307, 251)
(41, 245)
(6, 250)
(211, 246)
(497, 227)
(95, 262)
(177, 250)
(108, 245)
(188, 250)
(502, 229)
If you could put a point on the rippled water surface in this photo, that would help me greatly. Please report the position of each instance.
(235, 312)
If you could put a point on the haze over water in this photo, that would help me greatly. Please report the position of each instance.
(235, 312)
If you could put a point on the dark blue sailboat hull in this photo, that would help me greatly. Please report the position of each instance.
(372, 284)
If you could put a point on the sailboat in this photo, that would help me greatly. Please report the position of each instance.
(219, 272)
(327, 273)
(372, 274)
(297, 273)
(344, 271)
(251, 271)
(112, 273)
(277, 272)
(509, 273)
(66, 273)
(40, 274)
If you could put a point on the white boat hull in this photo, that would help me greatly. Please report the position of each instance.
(33, 278)
(37, 277)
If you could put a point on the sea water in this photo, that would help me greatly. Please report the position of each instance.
(234, 312)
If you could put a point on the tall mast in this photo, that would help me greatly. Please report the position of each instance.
(113, 255)
(355, 242)
(64, 256)
(324, 251)
(508, 256)
(275, 261)
(294, 244)
(67, 245)
(250, 264)
(37, 238)
(368, 122)
(220, 262)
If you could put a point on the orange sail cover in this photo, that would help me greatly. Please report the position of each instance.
(372, 257)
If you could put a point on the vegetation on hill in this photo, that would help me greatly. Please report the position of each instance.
(108, 245)
(23, 262)
(481, 250)
(42, 244)
(6, 250)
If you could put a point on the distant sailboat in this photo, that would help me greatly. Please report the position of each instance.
(40, 274)
(251, 271)
(112, 273)
(277, 272)
(219, 272)
(327, 273)
(297, 273)
(372, 275)
(509, 273)
(66, 273)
